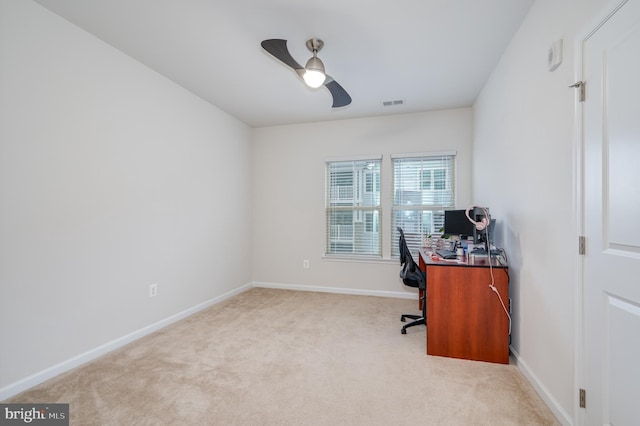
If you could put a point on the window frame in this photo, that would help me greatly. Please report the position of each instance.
(384, 185)
(362, 204)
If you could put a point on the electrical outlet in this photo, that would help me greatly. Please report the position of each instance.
(305, 264)
(153, 290)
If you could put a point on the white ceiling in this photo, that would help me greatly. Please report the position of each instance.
(432, 54)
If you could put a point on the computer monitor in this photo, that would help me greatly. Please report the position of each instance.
(480, 237)
(457, 223)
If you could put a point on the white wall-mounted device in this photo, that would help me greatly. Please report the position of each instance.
(555, 55)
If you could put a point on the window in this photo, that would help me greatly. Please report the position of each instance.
(372, 181)
(434, 179)
(353, 207)
(423, 187)
(370, 222)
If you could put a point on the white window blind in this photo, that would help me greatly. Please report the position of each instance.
(353, 208)
(423, 187)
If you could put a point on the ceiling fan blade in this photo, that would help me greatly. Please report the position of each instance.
(278, 48)
(340, 96)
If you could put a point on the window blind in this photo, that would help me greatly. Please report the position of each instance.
(353, 209)
(423, 187)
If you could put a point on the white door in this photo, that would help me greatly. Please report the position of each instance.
(611, 71)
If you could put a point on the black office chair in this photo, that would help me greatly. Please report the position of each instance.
(412, 276)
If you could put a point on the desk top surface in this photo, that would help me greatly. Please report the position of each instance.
(432, 259)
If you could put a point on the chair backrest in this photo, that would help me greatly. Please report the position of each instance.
(402, 247)
(410, 273)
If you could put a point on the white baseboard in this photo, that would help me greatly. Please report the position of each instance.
(44, 375)
(562, 416)
(338, 290)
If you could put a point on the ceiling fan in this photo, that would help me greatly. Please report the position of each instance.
(313, 73)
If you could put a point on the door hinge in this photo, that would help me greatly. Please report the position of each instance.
(581, 245)
(583, 398)
(581, 91)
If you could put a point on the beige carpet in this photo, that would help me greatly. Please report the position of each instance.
(276, 357)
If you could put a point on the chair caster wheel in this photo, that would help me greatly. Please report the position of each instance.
(403, 319)
(403, 331)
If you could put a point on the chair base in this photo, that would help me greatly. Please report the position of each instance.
(418, 320)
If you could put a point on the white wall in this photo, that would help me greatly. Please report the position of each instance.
(523, 161)
(289, 182)
(111, 178)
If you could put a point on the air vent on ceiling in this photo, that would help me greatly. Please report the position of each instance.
(392, 103)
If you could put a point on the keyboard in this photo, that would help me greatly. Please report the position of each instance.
(482, 251)
(446, 254)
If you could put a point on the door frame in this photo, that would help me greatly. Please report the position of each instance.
(582, 36)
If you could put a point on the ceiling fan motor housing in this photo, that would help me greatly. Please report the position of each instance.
(314, 45)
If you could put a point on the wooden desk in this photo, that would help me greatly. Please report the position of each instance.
(465, 318)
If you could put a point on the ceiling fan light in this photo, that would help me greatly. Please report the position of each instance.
(314, 78)
(314, 75)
